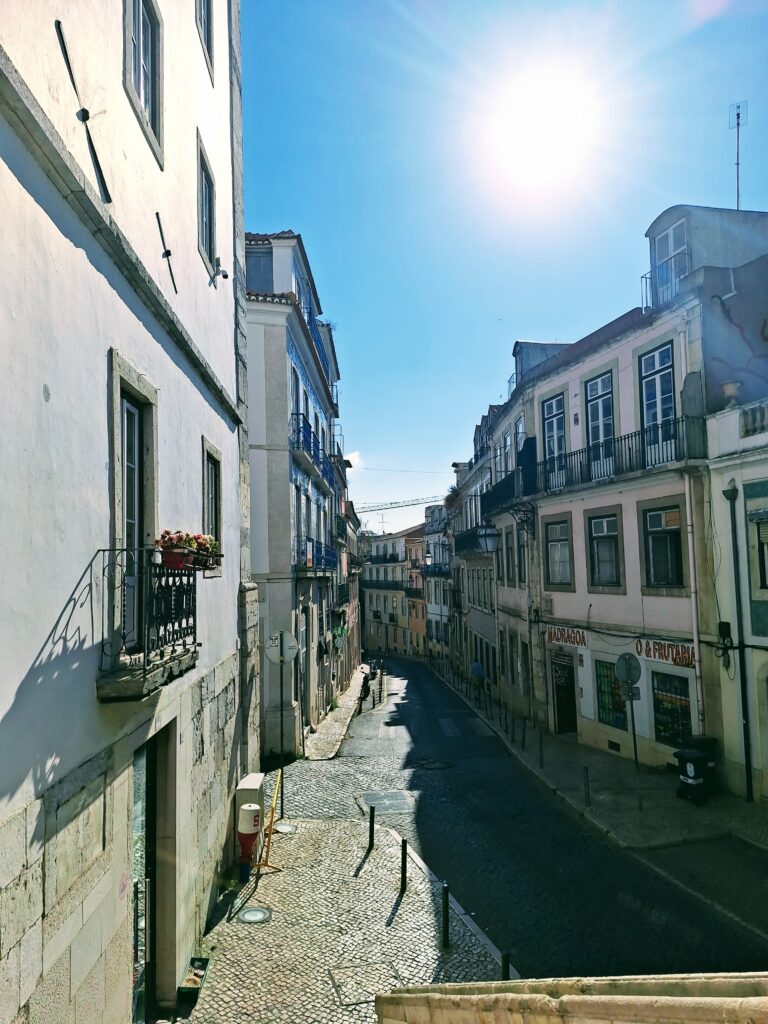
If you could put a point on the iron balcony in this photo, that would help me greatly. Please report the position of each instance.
(305, 445)
(313, 557)
(382, 584)
(148, 624)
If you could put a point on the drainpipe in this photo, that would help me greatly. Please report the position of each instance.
(692, 574)
(731, 495)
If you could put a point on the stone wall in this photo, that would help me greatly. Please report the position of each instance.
(66, 889)
(655, 1000)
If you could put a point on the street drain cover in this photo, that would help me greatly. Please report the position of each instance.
(254, 915)
(284, 828)
(430, 764)
(391, 801)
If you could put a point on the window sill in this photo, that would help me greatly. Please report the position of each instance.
(647, 591)
(609, 589)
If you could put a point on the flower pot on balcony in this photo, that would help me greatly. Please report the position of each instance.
(177, 558)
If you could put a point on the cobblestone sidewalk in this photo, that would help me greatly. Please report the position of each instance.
(613, 806)
(324, 744)
(339, 933)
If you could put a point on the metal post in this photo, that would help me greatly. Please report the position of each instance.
(403, 864)
(637, 761)
(587, 797)
(282, 729)
(373, 698)
(541, 750)
(505, 966)
(444, 915)
(371, 823)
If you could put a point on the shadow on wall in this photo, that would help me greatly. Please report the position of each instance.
(45, 732)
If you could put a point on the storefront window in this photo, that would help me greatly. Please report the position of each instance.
(611, 709)
(671, 708)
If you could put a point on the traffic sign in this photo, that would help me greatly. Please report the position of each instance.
(629, 692)
(628, 669)
(272, 647)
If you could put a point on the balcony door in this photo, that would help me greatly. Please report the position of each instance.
(554, 441)
(132, 525)
(657, 382)
(599, 394)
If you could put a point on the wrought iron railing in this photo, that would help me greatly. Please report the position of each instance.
(381, 559)
(662, 284)
(314, 331)
(376, 614)
(315, 556)
(303, 437)
(672, 440)
(467, 540)
(414, 592)
(440, 569)
(507, 489)
(393, 617)
(342, 594)
(339, 527)
(383, 585)
(149, 612)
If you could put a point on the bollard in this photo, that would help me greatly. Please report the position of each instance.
(446, 936)
(587, 801)
(371, 822)
(505, 966)
(541, 750)
(373, 698)
(522, 738)
(514, 720)
(403, 864)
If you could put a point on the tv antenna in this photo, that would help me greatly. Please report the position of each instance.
(738, 118)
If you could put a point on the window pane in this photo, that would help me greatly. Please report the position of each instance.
(671, 708)
(611, 709)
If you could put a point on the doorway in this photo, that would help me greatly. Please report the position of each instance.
(564, 690)
(153, 875)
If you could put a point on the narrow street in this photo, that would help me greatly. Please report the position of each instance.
(543, 884)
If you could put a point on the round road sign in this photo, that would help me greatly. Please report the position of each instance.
(628, 669)
(272, 647)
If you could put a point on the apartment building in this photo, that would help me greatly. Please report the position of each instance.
(392, 592)
(300, 522)
(615, 509)
(129, 692)
(437, 581)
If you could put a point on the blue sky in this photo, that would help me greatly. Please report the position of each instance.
(464, 174)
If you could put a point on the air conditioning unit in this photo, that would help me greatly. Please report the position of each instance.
(250, 790)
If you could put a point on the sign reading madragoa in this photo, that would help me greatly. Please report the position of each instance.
(660, 650)
(566, 635)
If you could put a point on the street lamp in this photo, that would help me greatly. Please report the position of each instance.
(488, 538)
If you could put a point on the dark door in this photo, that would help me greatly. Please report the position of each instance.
(143, 877)
(564, 689)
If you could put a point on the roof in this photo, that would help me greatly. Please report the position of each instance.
(262, 238)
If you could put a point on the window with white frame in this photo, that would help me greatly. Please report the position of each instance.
(507, 445)
(663, 548)
(604, 551)
(558, 565)
(204, 18)
(519, 433)
(142, 77)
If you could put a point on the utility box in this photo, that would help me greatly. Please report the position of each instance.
(250, 790)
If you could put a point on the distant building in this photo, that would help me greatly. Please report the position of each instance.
(302, 526)
(392, 590)
(437, 581)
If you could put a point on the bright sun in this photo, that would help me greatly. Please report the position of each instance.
(539, 132)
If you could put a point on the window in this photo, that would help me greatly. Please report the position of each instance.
(206, 217)
(204, 18)
(507, 441)
(611, 708)
(604, 551)
(762, 551)
(502, 655)
(671, 708)
(497, 463)
(500, 564)
(519, 433)
(599, 398)
(657, 397)
(558, 567)
(142, 77)
(663, 548)
(513, 673)
(521, 557)
(553, 415)
(671, 262)
(211, 490)
(509, 535)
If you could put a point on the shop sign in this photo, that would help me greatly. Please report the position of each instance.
(683, 655)
(566, 635)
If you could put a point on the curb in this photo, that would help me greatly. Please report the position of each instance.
(352, 707)
(456, 907)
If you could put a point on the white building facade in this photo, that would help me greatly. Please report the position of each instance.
(299, 519)
(129, 697)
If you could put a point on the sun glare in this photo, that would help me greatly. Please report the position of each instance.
(540, 130)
